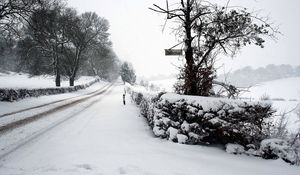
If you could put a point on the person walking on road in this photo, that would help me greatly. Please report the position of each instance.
(124, 102)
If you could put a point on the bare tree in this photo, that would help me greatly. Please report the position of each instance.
(14, 12)
(47, 28)
(90, 31)
(10, 8)
(207, 31)
(102, 61)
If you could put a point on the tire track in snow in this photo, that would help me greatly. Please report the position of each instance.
(5, 152)
(47, 104)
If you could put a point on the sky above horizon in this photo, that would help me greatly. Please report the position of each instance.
(138, 37)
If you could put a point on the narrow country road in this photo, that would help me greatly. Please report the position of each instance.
(24, 116)
(108, 138)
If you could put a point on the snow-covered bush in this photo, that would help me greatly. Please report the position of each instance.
(16, 94)
(138, 98)
(278, 148)
(296, 147)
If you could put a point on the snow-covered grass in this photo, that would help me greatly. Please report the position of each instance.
(13, 80)
(109, 138)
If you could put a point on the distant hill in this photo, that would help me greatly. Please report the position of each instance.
(248, 76)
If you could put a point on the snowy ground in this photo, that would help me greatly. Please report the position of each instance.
(18, 81)
(107, 138)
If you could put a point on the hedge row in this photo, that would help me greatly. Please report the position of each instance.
(243, 128)
(180, 121)
(11, 95)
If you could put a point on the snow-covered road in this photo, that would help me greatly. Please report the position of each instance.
(108, 138)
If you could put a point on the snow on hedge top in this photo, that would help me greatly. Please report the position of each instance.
(208, 103)
(24, 81)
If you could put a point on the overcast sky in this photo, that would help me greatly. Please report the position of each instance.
(137, 36)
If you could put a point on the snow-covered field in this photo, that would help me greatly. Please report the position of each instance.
(18, 81)
(109, 138)
(287, 89)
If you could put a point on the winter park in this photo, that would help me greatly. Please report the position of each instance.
(149, 87)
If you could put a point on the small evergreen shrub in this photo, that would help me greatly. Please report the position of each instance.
(278, 148)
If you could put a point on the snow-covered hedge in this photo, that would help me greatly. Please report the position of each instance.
(242, 127)
(16, 94)
(202, 120)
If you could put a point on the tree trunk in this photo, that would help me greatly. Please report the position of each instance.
(75, 69)
(71, 81)
(191, 74)
(57, 71)
(57, 78)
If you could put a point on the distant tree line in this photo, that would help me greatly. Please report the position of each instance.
(248, 76)
(48, 37)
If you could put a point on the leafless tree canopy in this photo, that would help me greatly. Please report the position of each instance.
(13, 12)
